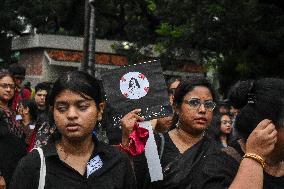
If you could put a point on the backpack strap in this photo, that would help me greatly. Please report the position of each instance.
(42, 169)
(233, 153)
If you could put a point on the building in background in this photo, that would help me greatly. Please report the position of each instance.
(46, 57)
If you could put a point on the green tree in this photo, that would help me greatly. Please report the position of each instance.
(248, 35)
(11, 24)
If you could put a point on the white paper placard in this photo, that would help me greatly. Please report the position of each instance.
(151, 153)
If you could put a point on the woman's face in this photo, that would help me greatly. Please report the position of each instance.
(75, 116)
(195, 120)
(7, 88)
(226, 124)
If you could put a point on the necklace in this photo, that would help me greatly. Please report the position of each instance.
(61, 149)
(182, 135)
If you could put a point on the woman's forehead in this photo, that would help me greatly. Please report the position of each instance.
(199, 92)
(225, 117)
(68, 95)
(7, 79)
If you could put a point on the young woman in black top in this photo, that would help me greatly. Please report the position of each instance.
(260, 123)
(74, 158)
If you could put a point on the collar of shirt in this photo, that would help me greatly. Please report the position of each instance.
(50, 149)
(108, 154)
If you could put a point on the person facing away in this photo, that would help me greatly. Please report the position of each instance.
(256, 161)
(74, 157)
(18, 73)
(28, 110)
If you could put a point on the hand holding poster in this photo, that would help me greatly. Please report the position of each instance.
(138, 86)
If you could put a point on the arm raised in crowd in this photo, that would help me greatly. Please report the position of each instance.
(260, 142)
(127, 124)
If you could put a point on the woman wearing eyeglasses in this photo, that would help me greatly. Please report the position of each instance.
(221, 129)
(184, 146)
(11, 147)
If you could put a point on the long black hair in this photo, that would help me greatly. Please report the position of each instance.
(257, 100)
(29, 103)
(214, 130)
(78, 81)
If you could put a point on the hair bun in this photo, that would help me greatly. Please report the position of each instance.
(238, 94)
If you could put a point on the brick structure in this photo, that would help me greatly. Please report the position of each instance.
(46, 57)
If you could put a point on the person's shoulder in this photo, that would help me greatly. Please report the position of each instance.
(111, 151)
(220, 160)
(31, 160)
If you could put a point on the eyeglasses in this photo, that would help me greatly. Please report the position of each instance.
(6, 86)
(196, 103)
(226, 122)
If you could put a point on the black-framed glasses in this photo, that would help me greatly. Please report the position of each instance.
(226, 122)
(6, 86)
(196, 103)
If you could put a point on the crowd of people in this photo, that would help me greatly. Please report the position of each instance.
(49, 136)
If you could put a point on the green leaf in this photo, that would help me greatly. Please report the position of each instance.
(151, 5)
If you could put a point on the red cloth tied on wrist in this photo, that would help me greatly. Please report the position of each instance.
(137, 140)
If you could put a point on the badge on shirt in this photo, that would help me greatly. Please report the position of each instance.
(32, 127)
(93, 165)
(18, 117)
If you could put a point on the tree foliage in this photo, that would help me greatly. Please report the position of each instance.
(243, 39)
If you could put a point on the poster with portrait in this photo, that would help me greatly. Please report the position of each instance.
(137, 86)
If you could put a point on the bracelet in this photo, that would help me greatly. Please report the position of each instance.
(256, 158)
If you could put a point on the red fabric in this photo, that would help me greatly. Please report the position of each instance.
(137, 141)
(19, 95)
(32, 141)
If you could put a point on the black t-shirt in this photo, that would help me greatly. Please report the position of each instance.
(115, 173)
(12, 149)
(219, 170)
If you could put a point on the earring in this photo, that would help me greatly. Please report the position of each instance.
(100, 117)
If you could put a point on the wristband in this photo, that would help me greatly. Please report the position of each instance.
(256, 158)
